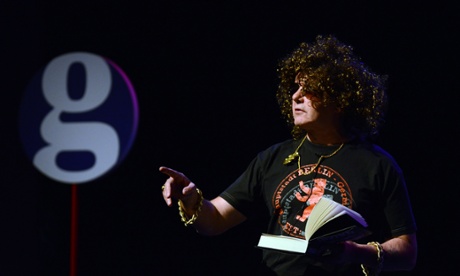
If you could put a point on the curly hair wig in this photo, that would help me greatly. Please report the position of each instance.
(335, 75)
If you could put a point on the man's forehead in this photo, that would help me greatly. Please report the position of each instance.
(300, 77)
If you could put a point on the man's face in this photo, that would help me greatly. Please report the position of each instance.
(307, 110)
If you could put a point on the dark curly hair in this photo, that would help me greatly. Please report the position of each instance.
(335, 76)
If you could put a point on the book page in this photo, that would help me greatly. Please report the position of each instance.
(326, 210)
(317, 216)
(283, 243)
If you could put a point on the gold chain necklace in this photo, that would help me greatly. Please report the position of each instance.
(296, 156)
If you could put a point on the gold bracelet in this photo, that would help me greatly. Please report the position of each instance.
(378, 268)
(197, 207)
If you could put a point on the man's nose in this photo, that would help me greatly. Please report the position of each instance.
(298, 95)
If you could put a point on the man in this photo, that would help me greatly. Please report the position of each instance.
(334, 104)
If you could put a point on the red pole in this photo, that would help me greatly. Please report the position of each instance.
(73, 230)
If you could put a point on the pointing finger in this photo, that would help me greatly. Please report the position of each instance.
(178, 176)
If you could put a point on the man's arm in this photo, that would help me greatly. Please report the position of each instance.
(399, 253)
(213, 218)
(217, 216)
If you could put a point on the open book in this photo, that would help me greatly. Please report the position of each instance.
(328, 223)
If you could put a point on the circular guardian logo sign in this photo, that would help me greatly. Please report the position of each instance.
(78, 117)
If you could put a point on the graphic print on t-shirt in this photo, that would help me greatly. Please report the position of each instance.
(299, 192)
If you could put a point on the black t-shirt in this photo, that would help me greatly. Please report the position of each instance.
(361, 176)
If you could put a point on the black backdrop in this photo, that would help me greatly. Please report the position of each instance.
(204, 73)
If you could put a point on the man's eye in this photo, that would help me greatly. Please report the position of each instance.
(294, 89)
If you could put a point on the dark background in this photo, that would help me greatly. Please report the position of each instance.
(204, 74)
